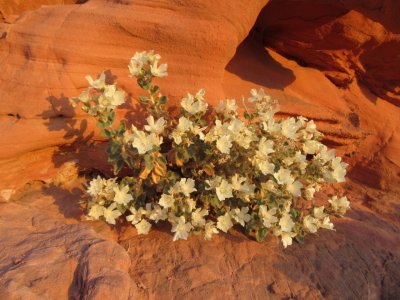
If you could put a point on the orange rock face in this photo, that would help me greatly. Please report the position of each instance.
(336, 62)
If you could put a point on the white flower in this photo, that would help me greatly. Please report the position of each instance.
(177, 136)
(311, 146)
(187, 102)
(241, 216)
(185, 186)
(95, 186)
(318, 212)
(268, 216)
(136, 215)
(181, 229)
(266, 146)
(326, 223)
(184, 124)
(191, 204)
(286, 223)
(224, 144)
(136, 63)
(339, 205)
(111, 213)
(99, 83)
(209, 230)
(271, 126)
(224, 222)
(309, 192)
(339, 169)
(239, 184)
(256, 96)
(198, 217)
(158, 214)
(143, 227)
(284, 177)
(227, 108)
(122, 196)
(289, 128)
(156, 127)
(158, 71)
(96, 211)
(224, 190)
(326, 155)
(213, 183)
(287, 238)
(144, 143)
(166, 201)
(310, 223)
(266, 167)
(112, 97)
(194, 105)
(294, 188)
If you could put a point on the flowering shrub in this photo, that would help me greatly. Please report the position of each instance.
(210, 169)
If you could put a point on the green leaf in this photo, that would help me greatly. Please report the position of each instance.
(148, 162)
(154, 89)
(144, 99)
(163, 100)
(118, 166)
(106, 133)
(261, 234)
(214, 201)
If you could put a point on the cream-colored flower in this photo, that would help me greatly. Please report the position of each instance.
(257, 95)
(191, 204)
(144, 143)
(326, 224)
(310, 223)
(287, 238)
(185, 186)
(213, 183)
(224, 144)
(318, 212)
(96, 211)
(184, 124)
(209, 230)
(309, 192)
(111, 213)
(158, 214)
(311, 146)
(143, 227)
(339, 205)
(198, 217)
(224, 222)
(156, 127)
(241, 216)
(286, 223)
(284, 177)
(137, 62)
(122, 196)
(267, 215)
(181, 229)
(135, 216)
(266, 146)
(289, 128)
(99, 83)
(158, 71)
(339, 169)
(224, 190)
(166, 201)
(96, 186)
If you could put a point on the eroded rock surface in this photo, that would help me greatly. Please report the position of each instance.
(333, 61)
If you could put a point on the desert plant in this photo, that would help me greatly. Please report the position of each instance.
(209, 169)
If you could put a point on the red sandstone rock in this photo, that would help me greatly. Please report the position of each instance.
(332, 61)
